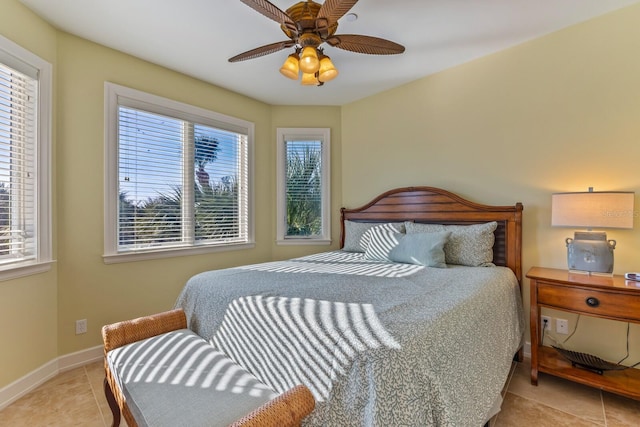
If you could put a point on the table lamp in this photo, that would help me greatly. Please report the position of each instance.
(590, 251)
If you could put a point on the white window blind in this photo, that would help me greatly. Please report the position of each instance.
(181, 183)
(18, 132)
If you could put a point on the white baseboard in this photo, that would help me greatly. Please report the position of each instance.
(80, 358)
(24, 385)
(39, 376)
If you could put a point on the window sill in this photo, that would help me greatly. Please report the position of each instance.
(16, 271)
(285, 242)
(143, 255)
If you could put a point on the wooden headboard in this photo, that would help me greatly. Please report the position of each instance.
(434, 205)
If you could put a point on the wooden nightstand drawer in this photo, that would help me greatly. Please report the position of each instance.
(590, 301)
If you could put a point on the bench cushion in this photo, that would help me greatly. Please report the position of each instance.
(179, 379)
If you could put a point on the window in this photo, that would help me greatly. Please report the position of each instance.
(25, 108)
(177, 178)
(303, 186)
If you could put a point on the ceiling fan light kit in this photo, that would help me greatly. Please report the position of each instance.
(314, 72)
(309, 24)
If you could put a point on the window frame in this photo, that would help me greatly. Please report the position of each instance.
(309, 134)
(17, 57)
(116, 95)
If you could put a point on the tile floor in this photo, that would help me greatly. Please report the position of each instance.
(76, 398)
(557, 402)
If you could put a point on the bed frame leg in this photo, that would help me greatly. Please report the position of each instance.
(519, 356)
(113, 405)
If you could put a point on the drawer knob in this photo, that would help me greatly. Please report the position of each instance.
(592, 302)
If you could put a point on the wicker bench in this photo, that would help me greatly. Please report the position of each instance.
(159, 373)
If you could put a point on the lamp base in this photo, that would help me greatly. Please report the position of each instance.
(590, 273)
(590, 252)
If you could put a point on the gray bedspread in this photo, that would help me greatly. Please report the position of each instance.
(378, 344)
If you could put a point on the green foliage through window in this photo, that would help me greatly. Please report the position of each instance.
(154, 209)
(304, 188)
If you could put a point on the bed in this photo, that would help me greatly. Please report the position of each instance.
(381, 342)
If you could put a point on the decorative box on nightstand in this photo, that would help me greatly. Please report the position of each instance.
(607, 297)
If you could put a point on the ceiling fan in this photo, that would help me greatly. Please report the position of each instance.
(308, 24)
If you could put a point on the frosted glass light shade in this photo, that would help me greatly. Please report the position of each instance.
(309, 62)
(309, 79)
(327, 70)
(594, 209)
(290, 67)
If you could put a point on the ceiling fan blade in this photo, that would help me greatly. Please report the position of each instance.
(269, 10)
(365, 44)
(262, 50)
(332, 10)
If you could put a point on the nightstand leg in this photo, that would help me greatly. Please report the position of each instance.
(535, 335)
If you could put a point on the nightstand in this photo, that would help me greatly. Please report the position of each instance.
(607, 297)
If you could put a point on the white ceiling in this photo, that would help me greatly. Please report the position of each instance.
(196, 37)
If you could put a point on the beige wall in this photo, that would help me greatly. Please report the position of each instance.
(560, 113)
(28, 306)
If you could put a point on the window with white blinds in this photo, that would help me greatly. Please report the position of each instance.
(181, 177)
(24, 141)
(303, 186)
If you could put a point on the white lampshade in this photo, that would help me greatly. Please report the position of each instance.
(593, 209)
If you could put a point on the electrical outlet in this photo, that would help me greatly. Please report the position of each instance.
(81, 326)
(562, 326)
(542, 323)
